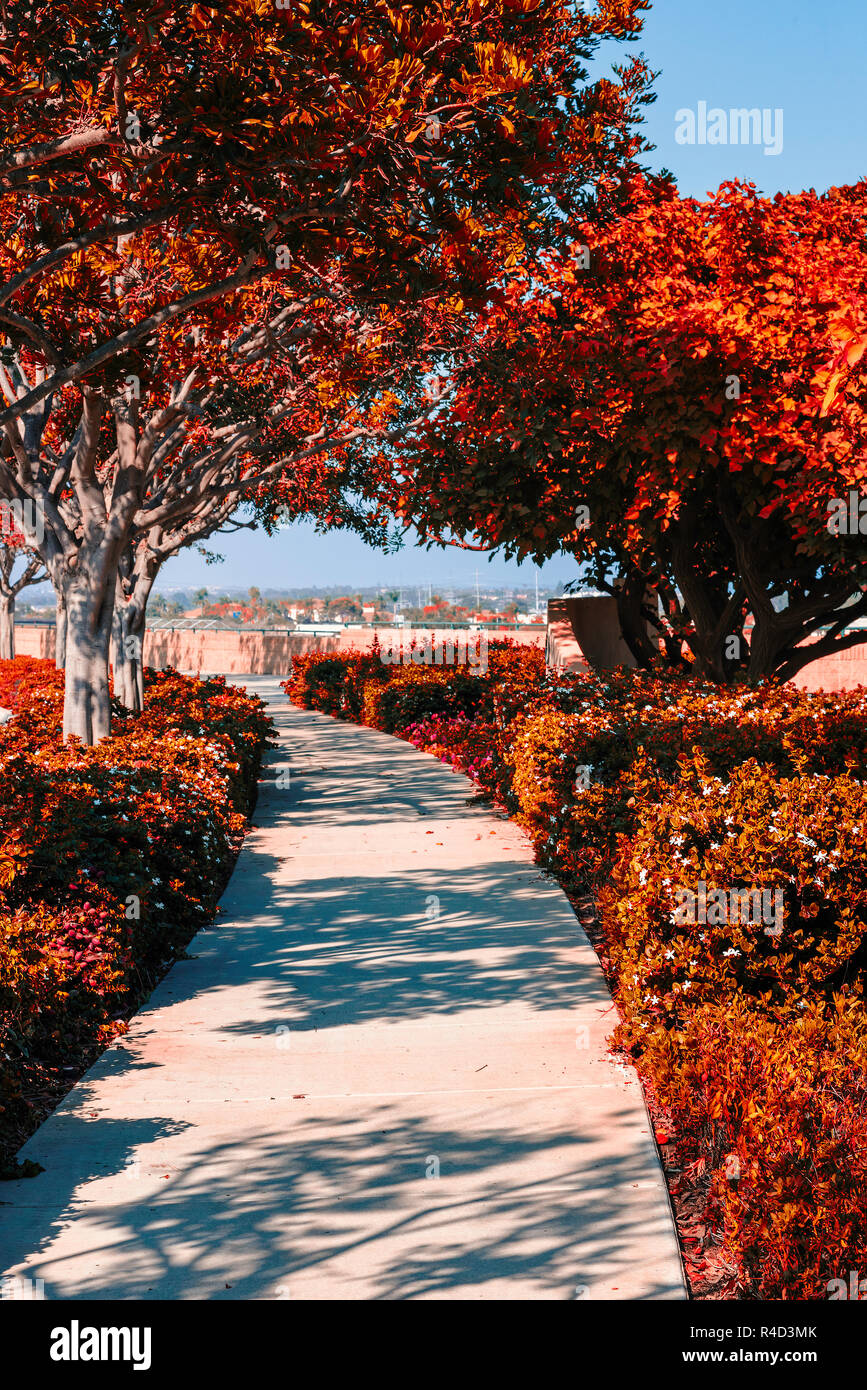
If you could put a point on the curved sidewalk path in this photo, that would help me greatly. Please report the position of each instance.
(394, 991)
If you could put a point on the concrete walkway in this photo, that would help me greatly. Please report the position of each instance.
(383, 1076)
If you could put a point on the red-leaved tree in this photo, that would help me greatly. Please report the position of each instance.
(158, 166)
(679, 403)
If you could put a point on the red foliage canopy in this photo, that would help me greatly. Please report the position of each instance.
(693, 375)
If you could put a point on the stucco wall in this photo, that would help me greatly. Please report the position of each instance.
(269, 653)
(34, 641)
(257, 653)
(841, 672)
(584, 634)
(252, 653)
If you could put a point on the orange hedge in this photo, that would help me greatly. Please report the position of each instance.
(110, 858)
(666, 796)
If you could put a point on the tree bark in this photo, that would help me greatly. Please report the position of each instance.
(633, 602)
(766, 642)
(135, 580)
(127, 643)
(86, 701)
(715, 614)
(60, 634)
(7, 627)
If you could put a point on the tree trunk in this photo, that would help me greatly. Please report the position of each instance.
(86, 699)
(764, 647)
(700, 603)
(133, 589)
(60, 634)
(119, 682)
(136, 630)
(127, 642)
(634, 598)
(7, 627)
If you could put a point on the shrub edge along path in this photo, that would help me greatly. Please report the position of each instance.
(382, 1076)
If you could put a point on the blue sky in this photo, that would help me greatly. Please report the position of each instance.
(807, 58)
(804, 58)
